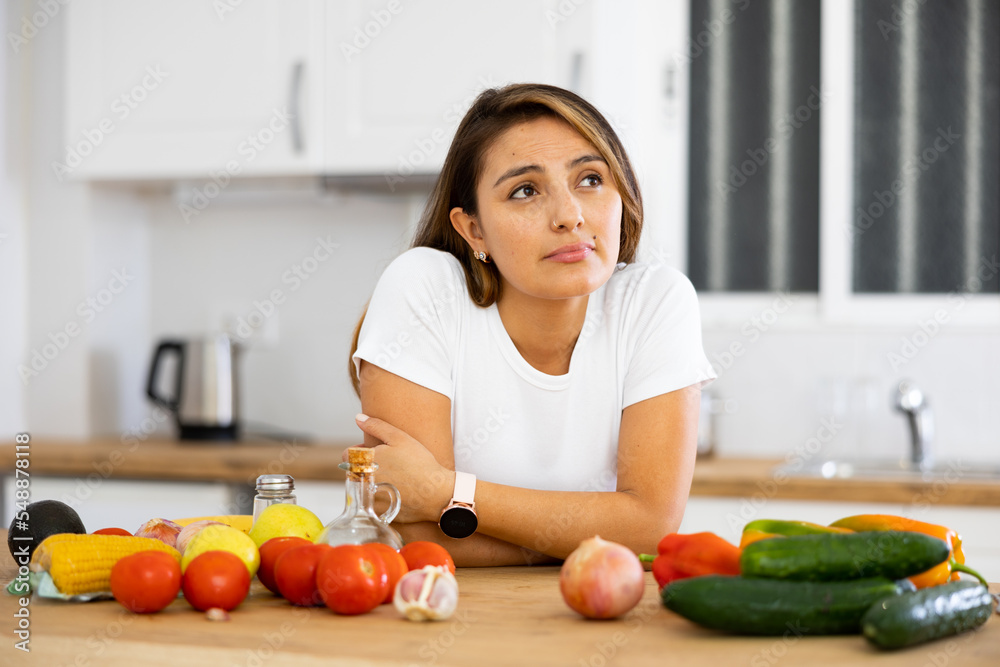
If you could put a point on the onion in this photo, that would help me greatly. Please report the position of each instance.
(602, 579)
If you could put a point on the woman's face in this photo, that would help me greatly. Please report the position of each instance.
(549, 212)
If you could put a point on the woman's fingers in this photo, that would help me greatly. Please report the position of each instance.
(378, 429)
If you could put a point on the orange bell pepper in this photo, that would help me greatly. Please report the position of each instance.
(939, 574)
(682, 556)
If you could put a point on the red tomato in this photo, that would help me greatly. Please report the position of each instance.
(295, 574)
(395, 566)
(112, 531)
(418, 554)
(216, 579)
(269, 552)
(352, 579)
(146, 581)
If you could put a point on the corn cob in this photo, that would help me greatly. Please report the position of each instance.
(82, 563)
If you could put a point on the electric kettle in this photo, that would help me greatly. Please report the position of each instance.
(203, 398)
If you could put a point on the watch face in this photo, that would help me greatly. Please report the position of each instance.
(459, 522)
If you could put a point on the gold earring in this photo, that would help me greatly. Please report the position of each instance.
(483, 257)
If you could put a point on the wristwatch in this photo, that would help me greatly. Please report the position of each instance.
(459, 519)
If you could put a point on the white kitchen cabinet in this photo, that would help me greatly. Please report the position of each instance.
(193, 89)
(399, 77)
(205, 92)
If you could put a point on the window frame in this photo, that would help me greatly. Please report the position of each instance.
(836, 305)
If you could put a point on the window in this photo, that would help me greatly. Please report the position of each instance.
(847, 151)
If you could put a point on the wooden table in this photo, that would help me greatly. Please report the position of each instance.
(506, 616)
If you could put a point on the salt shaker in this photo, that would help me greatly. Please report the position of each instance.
(273, 489)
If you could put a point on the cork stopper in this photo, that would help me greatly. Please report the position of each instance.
(362, 459)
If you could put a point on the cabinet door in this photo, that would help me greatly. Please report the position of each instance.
(187, 88)
(400, 76)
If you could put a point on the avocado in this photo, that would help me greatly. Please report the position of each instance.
(45, 517)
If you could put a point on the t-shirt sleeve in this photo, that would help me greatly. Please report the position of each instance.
(411, 327)
(666, 346)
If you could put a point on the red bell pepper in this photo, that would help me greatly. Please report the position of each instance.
(682, 556)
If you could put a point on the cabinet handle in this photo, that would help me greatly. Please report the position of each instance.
(576, 72)
(298, 68)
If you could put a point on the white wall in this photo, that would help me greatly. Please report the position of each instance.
(786, 381)
(13, 291)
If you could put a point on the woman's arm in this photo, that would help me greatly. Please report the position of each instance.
(426, 416)
(656, 451)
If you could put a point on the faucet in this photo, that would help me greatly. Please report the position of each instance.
(911, 401)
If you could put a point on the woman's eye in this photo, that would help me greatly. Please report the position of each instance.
(523, 192)
(592, 180)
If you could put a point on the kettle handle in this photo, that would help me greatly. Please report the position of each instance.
(161, 349)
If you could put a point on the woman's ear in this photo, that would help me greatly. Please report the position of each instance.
(467, 226)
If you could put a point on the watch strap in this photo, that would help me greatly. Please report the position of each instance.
(465, 488)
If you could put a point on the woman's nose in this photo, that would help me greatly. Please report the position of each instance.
(567, 213)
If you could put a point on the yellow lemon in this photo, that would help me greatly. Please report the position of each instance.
(223, 538)
(285, 520)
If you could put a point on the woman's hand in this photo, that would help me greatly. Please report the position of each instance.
(425, 486)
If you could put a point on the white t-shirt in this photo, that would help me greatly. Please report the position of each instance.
(511, 423)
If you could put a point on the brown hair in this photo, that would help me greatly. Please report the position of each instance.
(495, 111)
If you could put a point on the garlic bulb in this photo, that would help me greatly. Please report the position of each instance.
(427, 594)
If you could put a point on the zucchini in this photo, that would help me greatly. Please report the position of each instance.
(889, 554)
(927, 614)
(774, 607)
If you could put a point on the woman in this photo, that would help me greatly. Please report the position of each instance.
(517, 344)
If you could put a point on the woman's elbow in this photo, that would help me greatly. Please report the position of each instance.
(658, 523)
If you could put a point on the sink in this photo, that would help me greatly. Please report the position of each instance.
(897, 469)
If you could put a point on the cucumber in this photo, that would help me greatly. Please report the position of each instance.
(889, 554)
(774, 607)
(924, 615)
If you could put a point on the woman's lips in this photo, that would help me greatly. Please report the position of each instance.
(571, 253)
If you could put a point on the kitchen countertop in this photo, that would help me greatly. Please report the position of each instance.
(506, 616)
(243, 462)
